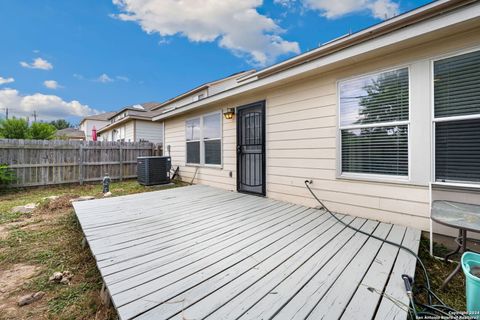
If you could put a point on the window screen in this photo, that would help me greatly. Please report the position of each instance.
(457, 85)
(457, 150)
(211, 138)
(193, 134)
(457, 118)
(374, 114)
(203, 140)
(379, 150)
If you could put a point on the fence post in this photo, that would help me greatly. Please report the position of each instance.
(81, 169)
(120, 152)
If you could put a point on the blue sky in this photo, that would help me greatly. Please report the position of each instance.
(67, 59)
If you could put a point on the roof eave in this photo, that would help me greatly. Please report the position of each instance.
(121, 121)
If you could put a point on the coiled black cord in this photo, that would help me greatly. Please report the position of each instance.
(425, 309)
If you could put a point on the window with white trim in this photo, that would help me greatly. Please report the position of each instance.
(374, 123)
(192, 128)
(457, 118)
(204, 140)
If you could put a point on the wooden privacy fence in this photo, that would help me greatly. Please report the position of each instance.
(45, 162)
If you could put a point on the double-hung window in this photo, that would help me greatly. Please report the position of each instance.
(374, 123)
(204, 140)
(457, 118)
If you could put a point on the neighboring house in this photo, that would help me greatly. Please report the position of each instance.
(70, 134)
(133, 124)
(98, 121)
(372, 118)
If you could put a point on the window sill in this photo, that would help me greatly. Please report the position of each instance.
(210, 166)
(374, 178)
(457, 185)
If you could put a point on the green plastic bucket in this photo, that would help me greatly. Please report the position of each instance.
(471, 268)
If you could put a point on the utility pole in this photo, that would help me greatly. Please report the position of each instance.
(34, 116)
(6, 113)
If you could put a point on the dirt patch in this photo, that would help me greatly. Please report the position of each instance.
(58, 205)
(3, 232)
(12, 279)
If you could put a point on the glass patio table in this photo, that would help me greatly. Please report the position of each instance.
(462, 216)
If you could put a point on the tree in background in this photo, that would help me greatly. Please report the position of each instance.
(61, 124)
(41, 131)
(14, 128)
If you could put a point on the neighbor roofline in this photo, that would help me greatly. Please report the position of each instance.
(199, 88)
(90, 118)
(181, 96)
(407, 32)
(129, 108)
(123, 120)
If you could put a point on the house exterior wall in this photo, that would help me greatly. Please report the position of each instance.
(88, 125)
(149, 131)
(130, 131)
(302, 139)
(136, 130)
(124, 131)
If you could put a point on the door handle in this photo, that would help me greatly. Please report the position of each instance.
(239, 149)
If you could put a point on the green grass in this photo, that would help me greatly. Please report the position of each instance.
(454, 294)
(51, 240)
(16, 197)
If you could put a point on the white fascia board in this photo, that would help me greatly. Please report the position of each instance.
(407, 33)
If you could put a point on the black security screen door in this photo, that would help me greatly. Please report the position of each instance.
(251, 148)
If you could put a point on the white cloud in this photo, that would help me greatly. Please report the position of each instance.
(104, 78)
(285, 3)
(384, 9)
(381, 9)
(6, 80)
(38, 63)
(51, 84)
(48, 107)
(122, 78)
(236, 25)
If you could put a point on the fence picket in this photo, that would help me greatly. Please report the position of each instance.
(50, 162)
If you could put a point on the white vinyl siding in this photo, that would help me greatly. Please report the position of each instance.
(148, 131)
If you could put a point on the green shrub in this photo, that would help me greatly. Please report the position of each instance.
(14, 128)
(7, 176)
(41, 131)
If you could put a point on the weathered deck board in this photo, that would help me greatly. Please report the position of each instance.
(199, 252)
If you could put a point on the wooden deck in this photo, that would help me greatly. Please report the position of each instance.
(199, 252)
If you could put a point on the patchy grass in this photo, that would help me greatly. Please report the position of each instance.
(50, 240)
(438, 270)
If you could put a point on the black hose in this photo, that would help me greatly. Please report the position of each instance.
(307, 184)
(430, 309)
